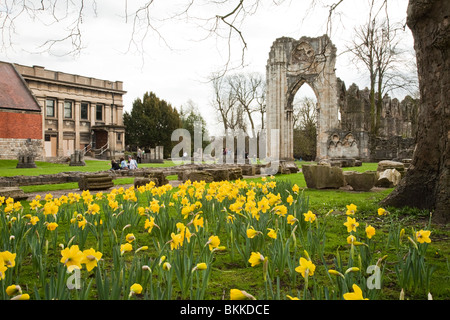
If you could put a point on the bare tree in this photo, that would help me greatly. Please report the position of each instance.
(247, 89)
(376, 45)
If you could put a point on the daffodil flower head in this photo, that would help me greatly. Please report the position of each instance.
(355, 295)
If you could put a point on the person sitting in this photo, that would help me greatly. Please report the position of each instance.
(114, 165)
(132, 164)
(123, 164)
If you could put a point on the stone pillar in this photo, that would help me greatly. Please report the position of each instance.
(60, 117)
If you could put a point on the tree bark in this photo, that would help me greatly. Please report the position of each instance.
(426, 184)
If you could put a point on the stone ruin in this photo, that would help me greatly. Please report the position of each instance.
(27, 155)
(343, 115)
(156, 155)
(77, 158)
(325, 176)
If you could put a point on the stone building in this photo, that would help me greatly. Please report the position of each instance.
(77, 112)
(395, 138)
(20, 115)
(343, 115)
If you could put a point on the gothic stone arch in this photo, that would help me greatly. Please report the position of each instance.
(292, 63)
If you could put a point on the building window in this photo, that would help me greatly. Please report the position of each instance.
(99, 112)
(119, 137)
(84, 111)
(50, 108)
(67, 109)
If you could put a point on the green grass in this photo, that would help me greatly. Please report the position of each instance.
(8, 167)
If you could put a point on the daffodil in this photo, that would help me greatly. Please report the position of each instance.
(24, 296)
(351, 224)
(423, 236)
(136, 289)
(200, 266)
(256, 258)
(198, 222)
(130, 238)
(272, 233)
(370, 231)
(251, 233)
(71, 257)
(291, 219)
(52, 226)
(90, 258)
(351, 239)
(309, 216)
(355, 295)
(34, 220)
(290, 199)
(306, 267)
(295, 188)
(351, 209)
(3, 268)
(292, 298)
(213, 242)
(382, 212)
(127, 247)
(13, 290)
(9, 259)
(236, 294)
(150, 224)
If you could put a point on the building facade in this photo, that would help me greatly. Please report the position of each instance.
(20, 116)
(77, 113)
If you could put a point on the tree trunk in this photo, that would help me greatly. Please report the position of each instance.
(426, 185)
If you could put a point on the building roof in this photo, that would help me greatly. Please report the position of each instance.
(14, 92)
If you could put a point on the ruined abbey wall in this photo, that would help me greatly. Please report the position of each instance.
(396, 134)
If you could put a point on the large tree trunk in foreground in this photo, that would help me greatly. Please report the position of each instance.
(427, 183)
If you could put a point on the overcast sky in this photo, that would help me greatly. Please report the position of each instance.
(177, 63)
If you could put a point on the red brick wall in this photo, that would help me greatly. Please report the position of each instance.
(16, 125)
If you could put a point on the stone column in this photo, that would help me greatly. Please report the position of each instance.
(76, 111)
(60, 117)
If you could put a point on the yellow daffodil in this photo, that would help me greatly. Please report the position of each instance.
(295, 188)
(251, 233)
(370, 231)
(351, 224)
(200, 266)
(236, 294)
(292, 298)
(351, 209)
(127, 247)
(423, 236)
(290, 199)
(351, 239)
(52, 226)
(213, 242)
(9, 259)
(198, 222)
(34, 220)
(71, 257)
(150, 224)
(355, 295)
(136, 289)
(306, 267)
(291, 219)
(3, 268)
(130, 238)
(90, 258)
(256, 258)
(309, 216)
(13, 290)
(272, 233)
(382, 212)
(24, 296)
